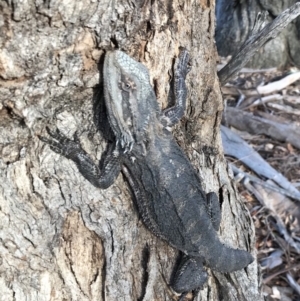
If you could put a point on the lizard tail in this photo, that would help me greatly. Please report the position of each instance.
(226, 260)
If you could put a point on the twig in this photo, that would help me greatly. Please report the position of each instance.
(286, 109)
(264, 100)
(293, 283)
(236, 147)
(242, 175)
(250, 70)
(257, 40)
(263, 90)
(279, 85)
(268, 279)
(256, 125)
(233, 91)
(266, 200)
(292, 100)
(266, 70)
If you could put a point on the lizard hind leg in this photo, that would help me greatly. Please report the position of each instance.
(190, 275)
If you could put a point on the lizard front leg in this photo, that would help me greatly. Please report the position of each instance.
(70, 149)
(173, 114)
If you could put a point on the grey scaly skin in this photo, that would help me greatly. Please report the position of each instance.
(168, 192)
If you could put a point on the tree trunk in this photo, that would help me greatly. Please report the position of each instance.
(61, 238)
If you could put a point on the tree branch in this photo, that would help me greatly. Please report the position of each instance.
(256, 40)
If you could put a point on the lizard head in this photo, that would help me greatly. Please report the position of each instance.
(129, 98)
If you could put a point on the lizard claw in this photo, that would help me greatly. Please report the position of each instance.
(126, 142)
(61, 144)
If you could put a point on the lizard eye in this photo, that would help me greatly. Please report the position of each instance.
(126, 87)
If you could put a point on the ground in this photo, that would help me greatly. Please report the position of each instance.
(277, 253)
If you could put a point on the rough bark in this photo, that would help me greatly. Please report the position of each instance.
(61, 238)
